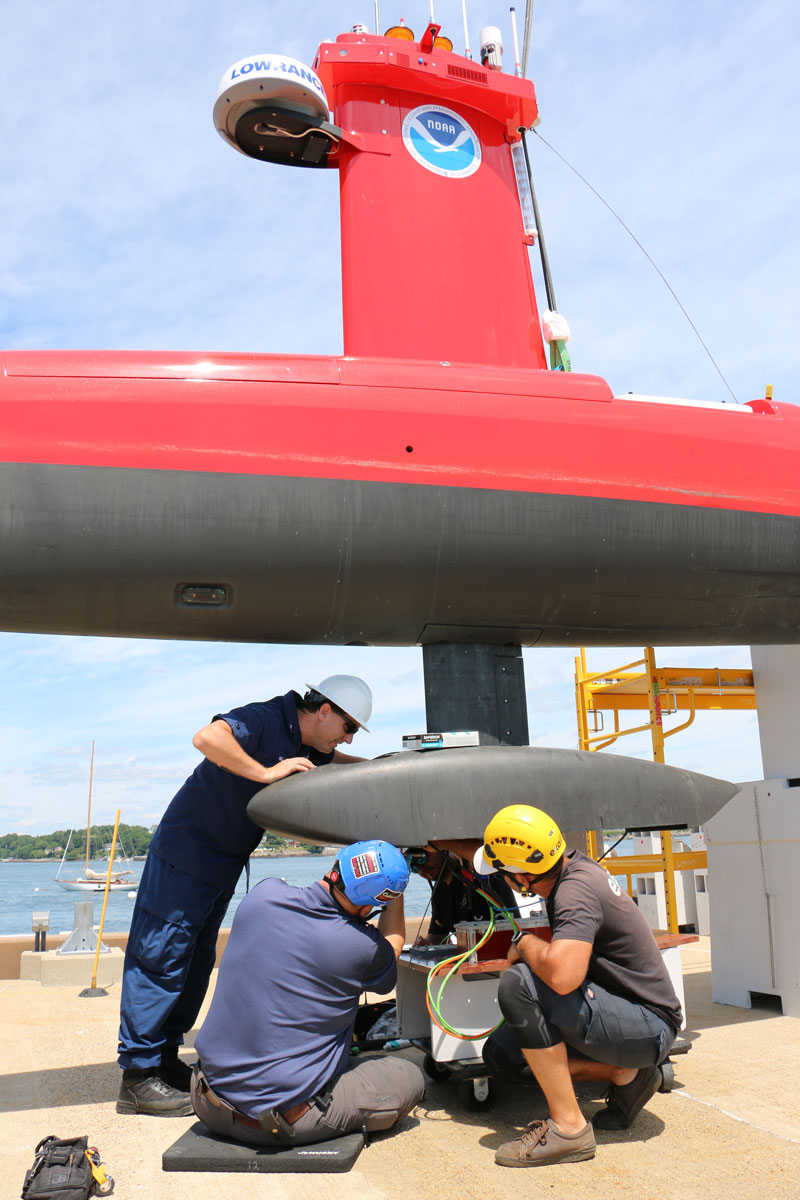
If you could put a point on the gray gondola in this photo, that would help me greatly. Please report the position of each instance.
(412, 797)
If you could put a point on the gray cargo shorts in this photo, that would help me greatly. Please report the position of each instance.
(372, 1094)
(594, 1022)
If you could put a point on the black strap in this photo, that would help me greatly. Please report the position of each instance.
(323, 1099)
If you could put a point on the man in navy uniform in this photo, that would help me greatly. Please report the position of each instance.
(196, 856)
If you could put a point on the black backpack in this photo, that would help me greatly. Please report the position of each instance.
(62, 1170)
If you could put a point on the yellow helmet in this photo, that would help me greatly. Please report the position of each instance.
(520, 838)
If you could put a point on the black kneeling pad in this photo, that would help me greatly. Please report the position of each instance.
(200, 1150)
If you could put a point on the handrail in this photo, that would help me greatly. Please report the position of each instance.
(614, 685)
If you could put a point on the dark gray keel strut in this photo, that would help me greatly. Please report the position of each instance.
(476, 687)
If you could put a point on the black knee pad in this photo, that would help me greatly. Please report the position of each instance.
(401, 1090)
(520, 1006)
(376, 1122)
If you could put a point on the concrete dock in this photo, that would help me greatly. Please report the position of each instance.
(730, 1130)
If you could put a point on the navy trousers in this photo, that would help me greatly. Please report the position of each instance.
(168, 961)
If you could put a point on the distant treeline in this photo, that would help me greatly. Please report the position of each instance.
(134, 839)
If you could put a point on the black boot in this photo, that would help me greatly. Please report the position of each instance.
(144, 1091)
(174, 1071)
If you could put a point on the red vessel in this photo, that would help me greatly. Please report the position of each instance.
(437, 482)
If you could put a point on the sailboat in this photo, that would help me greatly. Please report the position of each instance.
(122, 880)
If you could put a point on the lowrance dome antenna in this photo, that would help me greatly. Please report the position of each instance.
(274, 108)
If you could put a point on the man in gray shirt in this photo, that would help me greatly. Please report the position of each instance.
(596, 1002)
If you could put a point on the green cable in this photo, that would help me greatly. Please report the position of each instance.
(457, 960)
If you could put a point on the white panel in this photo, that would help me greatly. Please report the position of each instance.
(674, 965)
(754, 889)
(776, 674)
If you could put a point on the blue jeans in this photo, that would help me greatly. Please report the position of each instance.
(594, 1022)
(170, 955)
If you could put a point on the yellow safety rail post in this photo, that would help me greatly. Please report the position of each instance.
(583, 735)
(657, 736)
(591, 844)
(93, 989)
(580, 700)
(654, 704)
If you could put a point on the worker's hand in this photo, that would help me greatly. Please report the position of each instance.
(289, 766)
(514, 955)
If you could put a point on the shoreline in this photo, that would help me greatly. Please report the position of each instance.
(293, 853)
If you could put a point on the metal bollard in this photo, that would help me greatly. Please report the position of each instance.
(40, 925)
(83, 939)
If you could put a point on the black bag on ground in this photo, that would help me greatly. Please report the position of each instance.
(60, 1171)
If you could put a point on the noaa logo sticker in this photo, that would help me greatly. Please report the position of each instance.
(441, 141)
(612, 883)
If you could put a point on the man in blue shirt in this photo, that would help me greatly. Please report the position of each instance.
(196, 856)
(274, 1051)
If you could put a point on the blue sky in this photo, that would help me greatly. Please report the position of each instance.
(126, 222)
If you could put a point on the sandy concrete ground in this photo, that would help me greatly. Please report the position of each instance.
(729, 1131)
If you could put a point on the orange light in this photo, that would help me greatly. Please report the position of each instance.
(443, 43)
(400, 31)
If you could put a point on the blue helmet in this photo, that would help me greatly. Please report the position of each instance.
(372, 873)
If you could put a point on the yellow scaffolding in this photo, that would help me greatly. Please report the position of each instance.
(662, 691)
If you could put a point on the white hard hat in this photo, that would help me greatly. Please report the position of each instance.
(349, 693)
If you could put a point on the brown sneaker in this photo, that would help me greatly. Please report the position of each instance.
(624, 1102)
(543, 1143)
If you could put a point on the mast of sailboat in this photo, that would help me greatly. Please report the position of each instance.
(64, 855)
(89, 817)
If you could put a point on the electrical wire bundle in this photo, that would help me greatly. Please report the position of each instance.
(434, 1003)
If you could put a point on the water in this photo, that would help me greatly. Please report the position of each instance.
(26, 887)
(29, 886)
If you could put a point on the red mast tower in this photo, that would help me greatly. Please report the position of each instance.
(434, 245)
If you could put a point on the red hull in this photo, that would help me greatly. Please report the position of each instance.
(340, 501)
(396, 422)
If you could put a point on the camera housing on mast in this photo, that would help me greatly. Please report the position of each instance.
(492, 48)
(274, 108)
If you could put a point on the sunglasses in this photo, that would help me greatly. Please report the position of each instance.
(349, 726)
